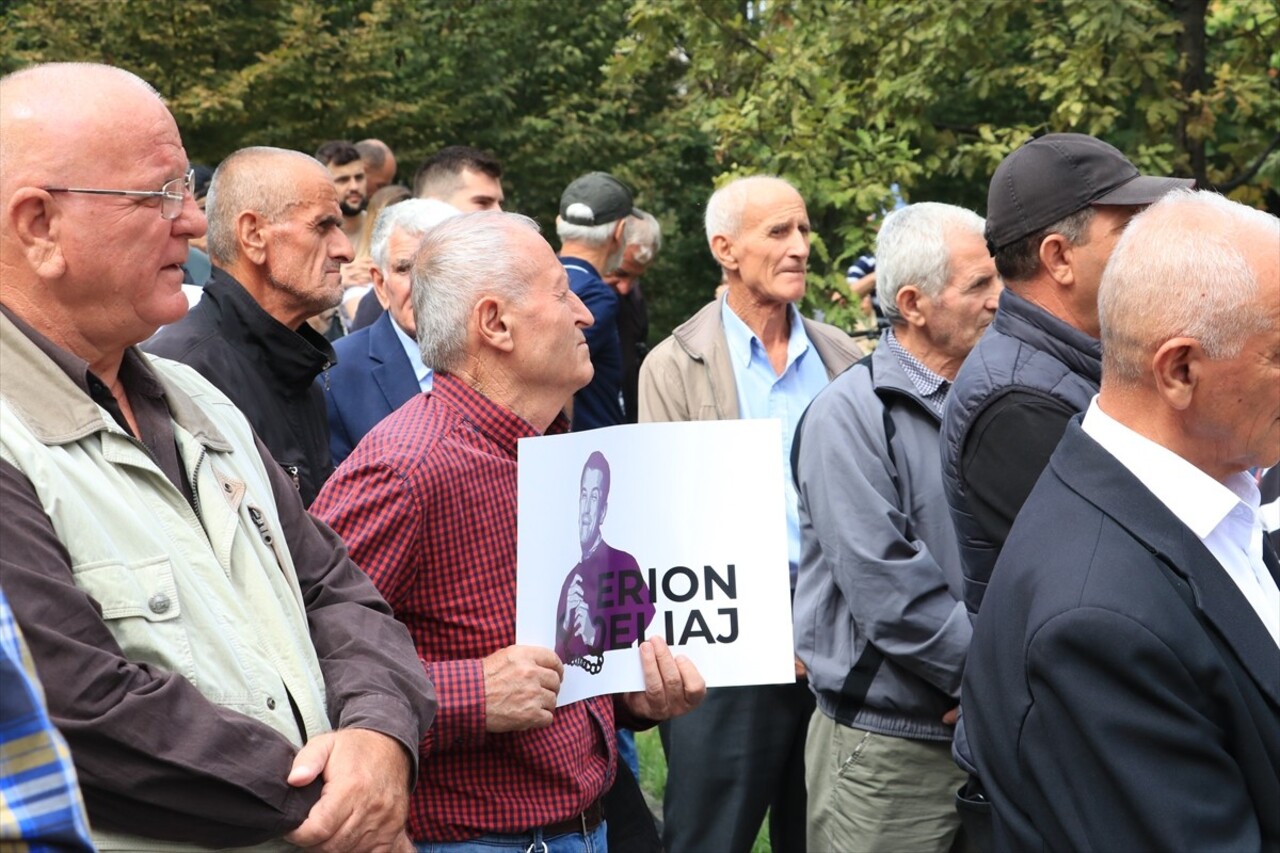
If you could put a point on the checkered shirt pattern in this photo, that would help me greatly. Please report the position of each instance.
(932, 387)
(40, 804)
(427, 506)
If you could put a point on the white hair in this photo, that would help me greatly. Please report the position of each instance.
(249, 179)
(1179, 271)
(458, 261)
(642, 231)
(725, 207)
(594, 236)
(414, 217)
(912, 248)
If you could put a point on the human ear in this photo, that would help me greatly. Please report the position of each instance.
(490, 316)
(1055, 254)
(722, 251)
(380, 287)
(37, 226)
(251, 237)
(909, 301)
(1177, 368)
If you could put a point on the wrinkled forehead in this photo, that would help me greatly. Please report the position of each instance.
(773, 203)
(403, 242)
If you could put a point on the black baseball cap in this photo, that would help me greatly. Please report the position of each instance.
(1052, 177)
(594, 199)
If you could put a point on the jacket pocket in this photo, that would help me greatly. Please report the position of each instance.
(141, 608)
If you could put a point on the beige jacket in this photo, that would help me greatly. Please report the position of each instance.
(229, 618)
(688, 377)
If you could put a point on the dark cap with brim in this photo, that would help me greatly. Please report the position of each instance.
(595, 198)
(1054, 176)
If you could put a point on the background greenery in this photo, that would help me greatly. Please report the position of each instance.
(847, 98)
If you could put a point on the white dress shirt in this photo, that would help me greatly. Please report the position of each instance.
(1225, 517)
(420, 371)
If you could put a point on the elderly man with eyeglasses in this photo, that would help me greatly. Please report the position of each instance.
(224, 674)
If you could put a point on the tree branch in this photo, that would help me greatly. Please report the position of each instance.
(1250, 170)
(749, 44)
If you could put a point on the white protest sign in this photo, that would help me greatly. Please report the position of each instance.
(684, 537)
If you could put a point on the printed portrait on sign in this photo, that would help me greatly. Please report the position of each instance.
(604, 601)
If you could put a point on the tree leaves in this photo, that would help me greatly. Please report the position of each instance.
(849, 99)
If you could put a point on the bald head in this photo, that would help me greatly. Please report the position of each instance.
(259, 179)
(1186, 267)
(379, 164)
(92, 271)
(59, 120)
(727, 204)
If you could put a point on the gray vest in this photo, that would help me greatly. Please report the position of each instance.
(1025, 348)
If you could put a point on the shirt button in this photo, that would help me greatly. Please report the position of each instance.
(159, 603)
(271, 704)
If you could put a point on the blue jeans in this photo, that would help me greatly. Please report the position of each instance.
(627, 751)
(523, 842)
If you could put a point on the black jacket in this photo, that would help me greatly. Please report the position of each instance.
(267, 369)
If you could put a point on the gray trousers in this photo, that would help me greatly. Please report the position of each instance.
(737, 755)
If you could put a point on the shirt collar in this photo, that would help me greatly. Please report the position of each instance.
(924, 379)
(503, 426)
(743, 342)
(420, 371)
(1198, 500)
(135, 371)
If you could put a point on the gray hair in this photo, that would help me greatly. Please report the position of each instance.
(414, 216)
(594, 236)
(725, 207)
(249, 179)
(642, 231)
(912, 249)
(1178, 271)
(458, 261)
(1020, 260)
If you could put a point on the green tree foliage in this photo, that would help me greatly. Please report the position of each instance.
(847, 98)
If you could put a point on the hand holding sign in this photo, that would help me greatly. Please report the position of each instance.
(615, 546)
(672, 685)
(520, 687)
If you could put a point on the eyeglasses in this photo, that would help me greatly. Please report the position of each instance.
(172, 194)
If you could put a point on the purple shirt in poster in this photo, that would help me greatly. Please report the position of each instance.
(611, 606)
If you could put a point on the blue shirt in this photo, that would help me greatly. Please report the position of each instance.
(599, 404)
(764, 394)
(40, 804)
(420, 371)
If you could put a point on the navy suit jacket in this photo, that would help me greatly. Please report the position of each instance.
(1120, 692)
(371, 380)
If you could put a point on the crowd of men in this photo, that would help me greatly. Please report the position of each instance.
(257, 577)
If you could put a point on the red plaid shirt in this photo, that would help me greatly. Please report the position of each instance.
(427, 505)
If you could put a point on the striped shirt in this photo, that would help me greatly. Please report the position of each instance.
(40, 804)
